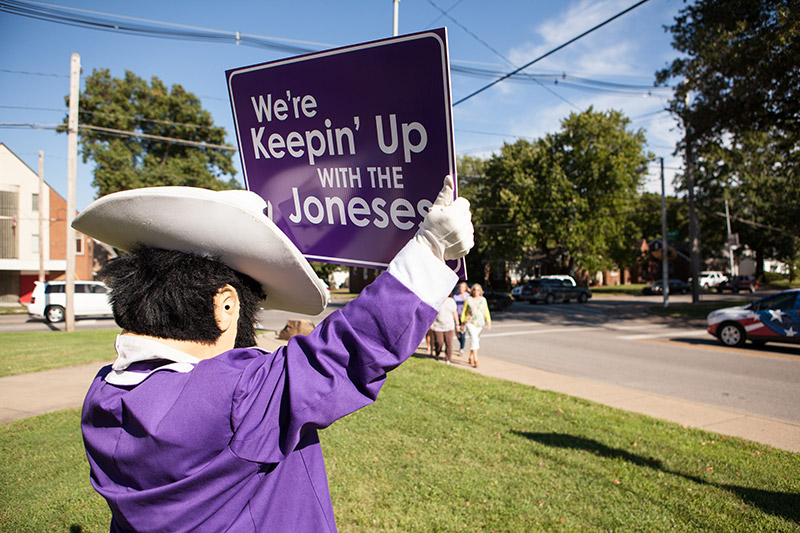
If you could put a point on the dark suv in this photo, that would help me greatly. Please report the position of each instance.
(738, 283)
(553, 290)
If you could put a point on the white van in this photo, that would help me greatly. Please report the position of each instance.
(49, 300)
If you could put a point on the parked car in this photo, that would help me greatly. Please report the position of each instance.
(710, 278)
(676, 286)
(498, 301)
(516, 292)
(550, 290)
(561, 277)
(739, 283)
(49, 300)
(775, 318)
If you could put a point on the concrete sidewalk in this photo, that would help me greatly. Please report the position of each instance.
(52, 390)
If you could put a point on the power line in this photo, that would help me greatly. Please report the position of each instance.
(31, 73)
(501, 56)
(137, 118)
(154, 28)
(434, 21)
(554, 50)
(120, 133)
(564, 80)
(117, 23)
(158, 138)
(497, 134)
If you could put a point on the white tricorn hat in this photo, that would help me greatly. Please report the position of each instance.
(228, 225)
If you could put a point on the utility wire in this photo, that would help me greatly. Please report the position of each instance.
(137, 118)
(501, 56)
(561, 79)
(119, 23)
(554, 50)
(153, 28)
(158, 138)
(121, 133)
(434, 21)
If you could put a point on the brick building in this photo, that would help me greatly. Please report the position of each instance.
(20, 238)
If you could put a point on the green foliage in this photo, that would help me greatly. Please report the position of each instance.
(739, 66)
(739, 61)
(647, 216)
(126, 162)
(571, 195)
(324, 270)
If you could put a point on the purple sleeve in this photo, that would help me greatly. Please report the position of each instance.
(337, 369)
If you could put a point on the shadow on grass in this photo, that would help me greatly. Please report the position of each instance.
(781, 504)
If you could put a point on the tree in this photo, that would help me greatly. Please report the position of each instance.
(740, 63)
(741, 72)
(601, 157)
(571, 195)
(764, 197)
(471, 176)
(128, 162)
(647, 217)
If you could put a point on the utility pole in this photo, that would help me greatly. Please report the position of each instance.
(42, 240)
(694, 232)
(72, 170)
(731, 240)
(664, 245)
(396, 17)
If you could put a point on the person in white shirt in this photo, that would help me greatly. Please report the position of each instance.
(443, 328)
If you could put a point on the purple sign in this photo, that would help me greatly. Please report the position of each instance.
(350, 146)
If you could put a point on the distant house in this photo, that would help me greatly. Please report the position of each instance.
(20, 238)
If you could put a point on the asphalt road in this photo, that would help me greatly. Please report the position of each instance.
(612, 340)
(615, 341)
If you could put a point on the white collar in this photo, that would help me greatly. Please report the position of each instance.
(131, 349)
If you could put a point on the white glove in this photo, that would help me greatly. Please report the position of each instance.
(447, 228)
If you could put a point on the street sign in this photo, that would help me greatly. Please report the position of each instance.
(350, 146)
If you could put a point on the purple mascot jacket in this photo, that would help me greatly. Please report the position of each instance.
(230, 443)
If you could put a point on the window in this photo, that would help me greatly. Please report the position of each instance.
(51, 289)
(783, 301)
(79, 245)
(35, 244)
(35, 202)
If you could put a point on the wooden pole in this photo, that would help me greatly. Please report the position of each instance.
(42, 241)
(72, 170)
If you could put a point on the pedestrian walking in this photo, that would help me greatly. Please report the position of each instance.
(474, 317)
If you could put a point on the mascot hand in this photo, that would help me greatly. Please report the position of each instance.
(447, 228)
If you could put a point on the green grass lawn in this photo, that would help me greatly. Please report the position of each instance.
(12, 310)
(33, 351)
(631, 289)
(444, 449)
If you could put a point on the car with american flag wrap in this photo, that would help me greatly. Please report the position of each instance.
(775, 318)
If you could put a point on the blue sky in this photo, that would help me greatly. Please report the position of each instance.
(496, 37)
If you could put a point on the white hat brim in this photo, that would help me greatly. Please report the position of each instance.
(228, 225)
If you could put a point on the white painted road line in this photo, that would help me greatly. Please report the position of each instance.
(535, 332)
(525, 324)
(685, 333)
(639, 326)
